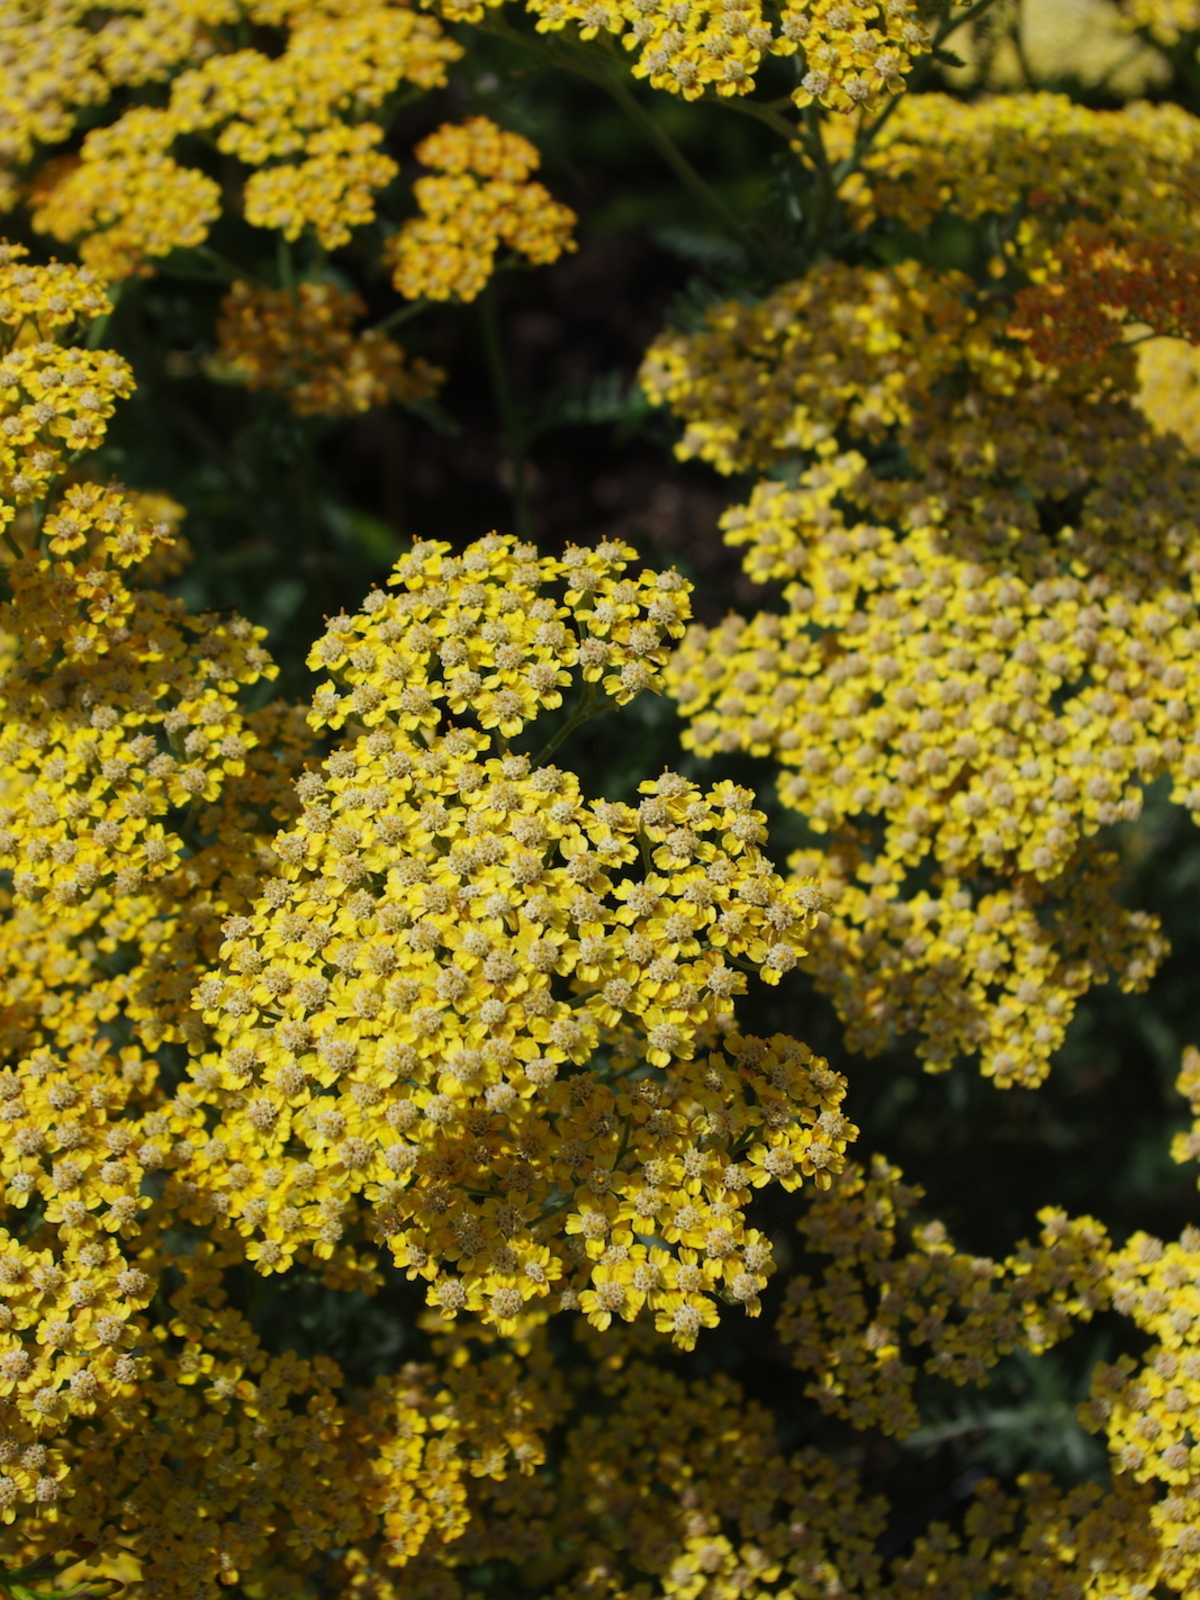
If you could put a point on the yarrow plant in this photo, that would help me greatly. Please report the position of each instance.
(417, 1182)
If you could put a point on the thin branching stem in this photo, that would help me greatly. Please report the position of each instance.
(511, 419)
(609, 75)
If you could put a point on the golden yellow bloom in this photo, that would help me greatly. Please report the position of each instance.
(296, 116)
(330, 191)
(373, 986)
(127, 198)
(1035, 153)
(1169, 388)
(960, 677)
(856, 1327)
(388, 1018)
(450, 249)
(304, 345)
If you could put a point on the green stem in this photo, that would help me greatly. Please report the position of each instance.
(626, 1133)
(100, 327)
(230, 271)
(552, 1208)
(285, 265)
(828, 181)
(645, 851)
(11, 541)
(510, 415)
(680, 165)
(953, 24)
(610, 76)
(587, 708)
(769, 115)
(1016, 35)
(395, 318)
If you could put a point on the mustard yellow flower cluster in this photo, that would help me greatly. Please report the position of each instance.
(1031, 160)
(992, 969)
(103, 675)
(337, 59)
(1097, 285)
(1081, 1541)
(545, 1093)
(856, 52)
(713, 1507)
(332, 191)
(439, 1000)
(170, 1437)
(42, 300)
(450, 249)
(840, 349)
(60, 58)
(138, 1409)
(856, 1330)
(127, 199)
(961, 675)
(304, 345)
(1148, 1409)
(1169, 388)
(1165, 21)
(52, 400)
(1186, 1146)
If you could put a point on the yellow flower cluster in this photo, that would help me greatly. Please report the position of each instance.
(858, 1328)
(856, 52)
(171, 1437)
(102, 674)
(972, 967)
(439, 1001)
(1169, 388)
(1148, 1409)
(450, 249)
(127, 199)
(714, 1511)
(331, 191)
(1165, 21)
(855, 1329)
(1186, 1146)
(840, 349)
(499, 1015)
(337, 60)
(43, 300)
(58, 59)
(962, 675)
(138, 1409)
(452, 1009)
(1084, 1541)
(711, 1509)
(52, 400)
(1030, 160)
(304, 344)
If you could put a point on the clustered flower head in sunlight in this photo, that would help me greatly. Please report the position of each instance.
(292, 118)
(481, 200)
(386, 1015)
(417, 1010)
(961, 677)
